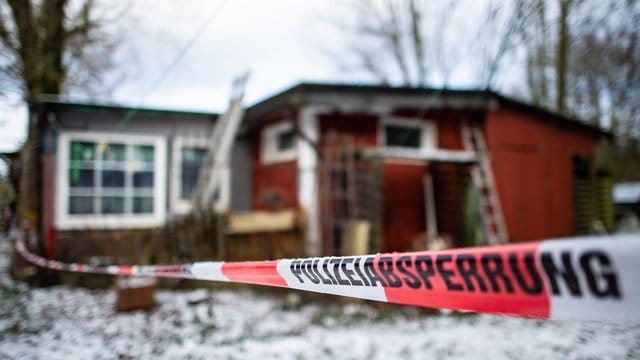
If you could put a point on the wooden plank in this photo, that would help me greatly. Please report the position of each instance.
(436, 155)
(262, 221)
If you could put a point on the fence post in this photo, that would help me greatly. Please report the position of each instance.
(220, 237)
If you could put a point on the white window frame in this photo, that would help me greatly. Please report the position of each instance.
(65, 221)
(428, 133)
(269, 153)
(178, 205)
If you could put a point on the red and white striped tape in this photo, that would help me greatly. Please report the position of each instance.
(591, 278)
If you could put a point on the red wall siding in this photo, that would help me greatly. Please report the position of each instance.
(362, 128)
(532, 163)
(449, 133)
(404, 213)
(280, 178)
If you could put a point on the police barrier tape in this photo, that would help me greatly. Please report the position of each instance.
(590, 278)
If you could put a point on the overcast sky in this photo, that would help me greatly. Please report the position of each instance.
(281, 42)
(278, 41)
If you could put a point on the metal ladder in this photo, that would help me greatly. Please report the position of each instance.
(483, 180)
(216, 164)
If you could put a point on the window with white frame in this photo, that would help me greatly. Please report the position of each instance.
(188, 156)
(408, 133)
(110, 180)
(278, 143)
(191, 160)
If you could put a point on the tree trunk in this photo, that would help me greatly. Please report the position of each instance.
(41, 36)
(53, 17)
(29, 203)
(562, 54)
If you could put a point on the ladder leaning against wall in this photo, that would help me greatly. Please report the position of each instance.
(215, 167)
(484, 182)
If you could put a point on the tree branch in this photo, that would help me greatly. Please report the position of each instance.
(418, 42)
(394, 36)
(5, 35)
(28, 41)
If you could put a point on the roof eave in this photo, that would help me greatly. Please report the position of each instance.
(520, 105)
(117, 107)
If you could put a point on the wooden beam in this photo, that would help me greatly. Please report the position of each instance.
(435, 155)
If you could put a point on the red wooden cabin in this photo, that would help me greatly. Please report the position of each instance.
(534, 157)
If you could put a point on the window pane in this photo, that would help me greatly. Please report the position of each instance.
(112, 205)
(83, 151)
(285, 140)
(113, 178)
(143, 179)
(113, 152)
(143, 153)
(80, 205)
(81, 177)
(142, 205)
(192, 160)
(404, 136)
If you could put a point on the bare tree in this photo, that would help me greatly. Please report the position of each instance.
(53, 46)
(582, 60)
(417, 43)
(497, 38)
(390, 44)
(581, 56)
(537, 40)
(48, 47)
(604, 79)
(605, 75)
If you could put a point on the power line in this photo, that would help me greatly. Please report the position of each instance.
(132, 112)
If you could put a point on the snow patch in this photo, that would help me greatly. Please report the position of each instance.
(56, 322)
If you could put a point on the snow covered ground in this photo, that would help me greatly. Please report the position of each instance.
(63, 322)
